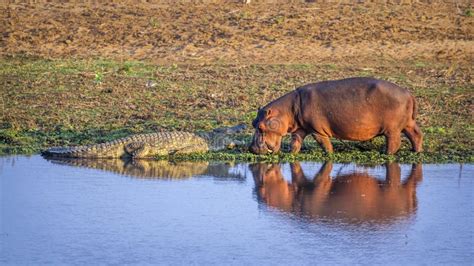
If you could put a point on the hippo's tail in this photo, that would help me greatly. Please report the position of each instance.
(415, 108)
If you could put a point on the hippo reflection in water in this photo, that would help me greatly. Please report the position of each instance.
(354, 197)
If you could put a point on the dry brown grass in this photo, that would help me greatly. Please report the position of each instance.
(360, 34)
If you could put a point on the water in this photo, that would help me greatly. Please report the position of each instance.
(114, 212)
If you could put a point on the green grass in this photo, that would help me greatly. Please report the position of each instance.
(59, 102)
(468, 12)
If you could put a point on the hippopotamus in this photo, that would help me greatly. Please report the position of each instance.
(357, 109)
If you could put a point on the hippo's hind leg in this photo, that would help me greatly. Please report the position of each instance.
(393, 141)
(415, 136)
(324, 142)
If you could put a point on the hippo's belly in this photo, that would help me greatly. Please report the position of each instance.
(351, 127)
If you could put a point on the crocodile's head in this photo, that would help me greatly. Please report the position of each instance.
(224, 138)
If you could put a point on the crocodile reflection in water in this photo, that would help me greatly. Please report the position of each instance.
(354, 197)
(152, 169)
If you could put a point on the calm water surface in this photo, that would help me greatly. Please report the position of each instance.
(115, 212)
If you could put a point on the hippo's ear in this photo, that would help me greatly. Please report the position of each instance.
(269, 112)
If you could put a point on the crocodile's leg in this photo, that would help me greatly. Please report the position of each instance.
(137, 149)
(141, 152)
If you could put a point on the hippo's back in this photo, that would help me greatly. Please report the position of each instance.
(354, 86)
(355, 94)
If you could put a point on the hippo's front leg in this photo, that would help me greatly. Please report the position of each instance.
(297, 138)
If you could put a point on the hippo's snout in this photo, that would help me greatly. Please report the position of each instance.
(258, 145)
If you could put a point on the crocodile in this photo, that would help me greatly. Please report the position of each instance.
(153, 144)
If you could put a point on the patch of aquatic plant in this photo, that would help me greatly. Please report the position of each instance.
(364, 157)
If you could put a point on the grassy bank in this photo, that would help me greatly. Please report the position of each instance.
(69, 102)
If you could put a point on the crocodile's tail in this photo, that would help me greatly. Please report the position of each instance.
(90, 151)
(57, 152)
(103, 150)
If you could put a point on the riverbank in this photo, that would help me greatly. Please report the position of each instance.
(57, 102)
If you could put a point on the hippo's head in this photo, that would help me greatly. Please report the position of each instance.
(270, 127)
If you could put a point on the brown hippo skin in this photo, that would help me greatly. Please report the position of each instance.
(351, 109)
